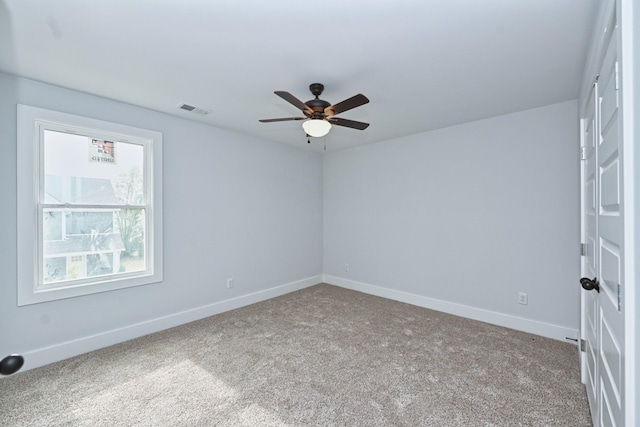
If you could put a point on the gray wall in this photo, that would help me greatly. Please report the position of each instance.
(470, 215)
(234, 206)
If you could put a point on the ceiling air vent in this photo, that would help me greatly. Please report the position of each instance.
(192, 109)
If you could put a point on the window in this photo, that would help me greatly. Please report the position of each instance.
(89, 206)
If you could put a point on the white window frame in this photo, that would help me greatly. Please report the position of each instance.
(31, 121)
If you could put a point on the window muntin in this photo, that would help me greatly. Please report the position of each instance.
(94, 190)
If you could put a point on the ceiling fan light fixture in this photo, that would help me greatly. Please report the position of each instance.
(316, 127)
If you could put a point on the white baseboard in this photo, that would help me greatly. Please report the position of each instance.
(548, 330)
(65, 350)
(46, 355)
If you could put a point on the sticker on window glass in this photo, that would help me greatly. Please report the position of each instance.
(101, 151)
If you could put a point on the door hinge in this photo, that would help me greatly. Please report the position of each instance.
(583, 249)
(583, 153)
(617, 76)
(583, 345)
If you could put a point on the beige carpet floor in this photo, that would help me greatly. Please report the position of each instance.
(322, 356)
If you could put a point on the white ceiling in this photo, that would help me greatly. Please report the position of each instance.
(424, 64)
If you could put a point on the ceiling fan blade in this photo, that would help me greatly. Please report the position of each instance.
(294, 101)
(347, 104)
(283, 119)
(348, 123)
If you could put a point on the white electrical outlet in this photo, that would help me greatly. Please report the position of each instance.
(523, 298)
(230, 282)
(346, 267)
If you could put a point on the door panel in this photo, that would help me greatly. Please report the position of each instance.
(610, 271)
(610, 199)
(610, 243)
(611, 360)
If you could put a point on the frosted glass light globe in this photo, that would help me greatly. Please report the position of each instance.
(316, 127)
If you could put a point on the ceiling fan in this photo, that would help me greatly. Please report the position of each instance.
(319, 115)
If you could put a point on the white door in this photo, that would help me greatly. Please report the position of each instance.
(590, 307)
(603, 307)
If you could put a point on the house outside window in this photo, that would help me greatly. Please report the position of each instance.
(89, 240)
(90, 206)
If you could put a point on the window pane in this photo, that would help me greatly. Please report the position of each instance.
(84, 170)
(55, 269)
(89, 223)
(52, 223)
(131, 224)
(99, 264)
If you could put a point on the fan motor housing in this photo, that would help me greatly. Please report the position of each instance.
(318, 105)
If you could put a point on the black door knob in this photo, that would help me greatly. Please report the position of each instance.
(590, 284)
